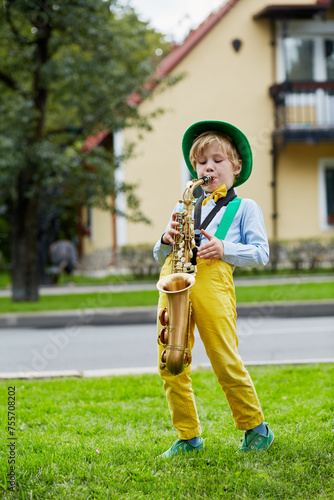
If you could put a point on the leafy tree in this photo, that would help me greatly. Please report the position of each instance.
(66, 70)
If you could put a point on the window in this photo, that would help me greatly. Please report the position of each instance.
(329, 182)
(298, 58)
(326, 193)
(329, 58)
(305, 50)
(308, 58)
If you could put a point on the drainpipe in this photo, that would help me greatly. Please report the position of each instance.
(274, 150)
(274, 154)
(273, 45)
(113, 234)
(80, 233)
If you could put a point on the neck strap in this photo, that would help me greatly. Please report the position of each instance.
(222, 202)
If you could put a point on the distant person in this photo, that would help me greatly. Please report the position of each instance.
(220, 151)
(63, 255)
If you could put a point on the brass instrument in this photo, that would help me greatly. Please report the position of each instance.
(175, 318)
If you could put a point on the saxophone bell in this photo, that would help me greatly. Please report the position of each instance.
(175, 335)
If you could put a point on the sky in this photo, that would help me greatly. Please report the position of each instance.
(174, 17)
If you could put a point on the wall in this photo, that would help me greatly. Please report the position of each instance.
(298, 193)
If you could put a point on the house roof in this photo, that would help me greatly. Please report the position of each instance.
(192, 39)
(94, 140)
(293, 11)
(168, 63)
(180, 51)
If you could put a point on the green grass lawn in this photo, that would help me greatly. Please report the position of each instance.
(94, 300)
(80, 279)
(85, 439)
(301, 291)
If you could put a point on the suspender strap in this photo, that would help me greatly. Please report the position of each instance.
(227, 218)
(222, 202)
(197, 218)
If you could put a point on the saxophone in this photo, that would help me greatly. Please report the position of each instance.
(175, 318)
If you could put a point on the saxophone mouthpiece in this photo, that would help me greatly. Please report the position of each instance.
(206, 179)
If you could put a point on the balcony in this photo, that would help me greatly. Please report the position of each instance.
(304, 112)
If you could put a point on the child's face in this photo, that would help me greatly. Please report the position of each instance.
(215, 163)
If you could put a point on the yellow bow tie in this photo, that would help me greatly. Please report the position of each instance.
(219, 193)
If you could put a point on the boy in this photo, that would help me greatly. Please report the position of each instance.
(221, 151)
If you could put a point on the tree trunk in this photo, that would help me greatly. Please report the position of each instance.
(24, 251)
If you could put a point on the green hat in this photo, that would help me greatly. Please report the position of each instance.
(239, 139)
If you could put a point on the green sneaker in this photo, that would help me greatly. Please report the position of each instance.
(255, 442)
(181, 446)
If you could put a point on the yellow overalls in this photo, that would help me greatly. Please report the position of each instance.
(214, 313)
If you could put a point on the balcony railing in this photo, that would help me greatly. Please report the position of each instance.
(304, 110)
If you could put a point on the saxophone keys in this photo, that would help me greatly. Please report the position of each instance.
(187, 358)
(163, 316)
(163, 337)
(163, 357)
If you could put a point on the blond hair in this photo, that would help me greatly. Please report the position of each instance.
(207, 139)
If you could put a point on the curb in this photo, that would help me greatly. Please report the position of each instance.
(304, 309)
(80, 317)
(116, 372)
(142, 315)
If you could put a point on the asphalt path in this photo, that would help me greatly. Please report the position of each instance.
(262, 340)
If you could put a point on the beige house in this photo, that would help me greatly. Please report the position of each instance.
(267, 66)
